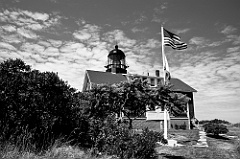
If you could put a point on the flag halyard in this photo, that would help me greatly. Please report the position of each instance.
(173, 40)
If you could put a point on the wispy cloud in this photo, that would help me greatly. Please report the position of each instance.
(118, 36)
(88, 33)
(27, 33)
(7, 46)
(36, 15)
(198, 41)
(27, 19)
(8, 28)
(181, 31)
(158, 11)
(202, 42)
(137, 30)
(235, 39)
(228, 30)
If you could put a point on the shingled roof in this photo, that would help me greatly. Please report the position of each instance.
(98, 77)
(179, 85)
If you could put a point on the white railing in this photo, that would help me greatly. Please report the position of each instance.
(155, 115)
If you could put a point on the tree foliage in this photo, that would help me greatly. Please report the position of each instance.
(35, 104)
(133, 98)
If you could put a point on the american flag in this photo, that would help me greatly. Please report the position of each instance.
(173, 40)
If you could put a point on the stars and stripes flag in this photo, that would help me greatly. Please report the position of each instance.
(173, 40)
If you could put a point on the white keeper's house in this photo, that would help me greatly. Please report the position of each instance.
(116, 72)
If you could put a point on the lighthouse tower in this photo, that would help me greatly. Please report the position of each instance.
(116, 61)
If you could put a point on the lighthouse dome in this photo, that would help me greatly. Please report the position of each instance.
(116, 54)
(116, 61)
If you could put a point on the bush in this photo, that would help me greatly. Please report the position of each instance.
(36, 108)
(109, 137)
(144, 144)
(176, 127)
(238, 147)
(236, 124)
(215, 128)
(183, 126)
(127, 145)
(217, 121)
(119, 140)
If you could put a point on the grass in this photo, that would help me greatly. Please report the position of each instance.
(219, 148)
(63, 152)
(190, 152)
(185, 137)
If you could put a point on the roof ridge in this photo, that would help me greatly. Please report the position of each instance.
(108, 77)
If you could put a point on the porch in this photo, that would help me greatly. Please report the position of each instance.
(154, 120)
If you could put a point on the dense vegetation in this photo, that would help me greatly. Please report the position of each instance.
(236, 124)
(217, 121)
(215, 126)
(38, 108)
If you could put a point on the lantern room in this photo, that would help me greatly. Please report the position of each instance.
(116, 62)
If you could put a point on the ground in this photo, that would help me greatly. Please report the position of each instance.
(223, 147)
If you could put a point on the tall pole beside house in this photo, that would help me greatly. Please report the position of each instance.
(164, 82)
(162, 37)
(173, 40)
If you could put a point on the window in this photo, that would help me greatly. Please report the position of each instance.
(152, 81)
(158, 81)
(144, 78)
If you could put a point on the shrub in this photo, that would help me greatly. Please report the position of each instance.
(144, 144)
(126, 145)
(119, 140)
(119, 143)
(215, 129)
(217, 121)
(236, 125)
(109, 137)
(36, 108)
(176, 127)
(238, 147)
(183, 126)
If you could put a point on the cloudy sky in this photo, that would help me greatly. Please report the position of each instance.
(70, 36)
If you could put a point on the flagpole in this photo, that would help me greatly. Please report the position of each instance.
(162, 36)
(164, 82)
